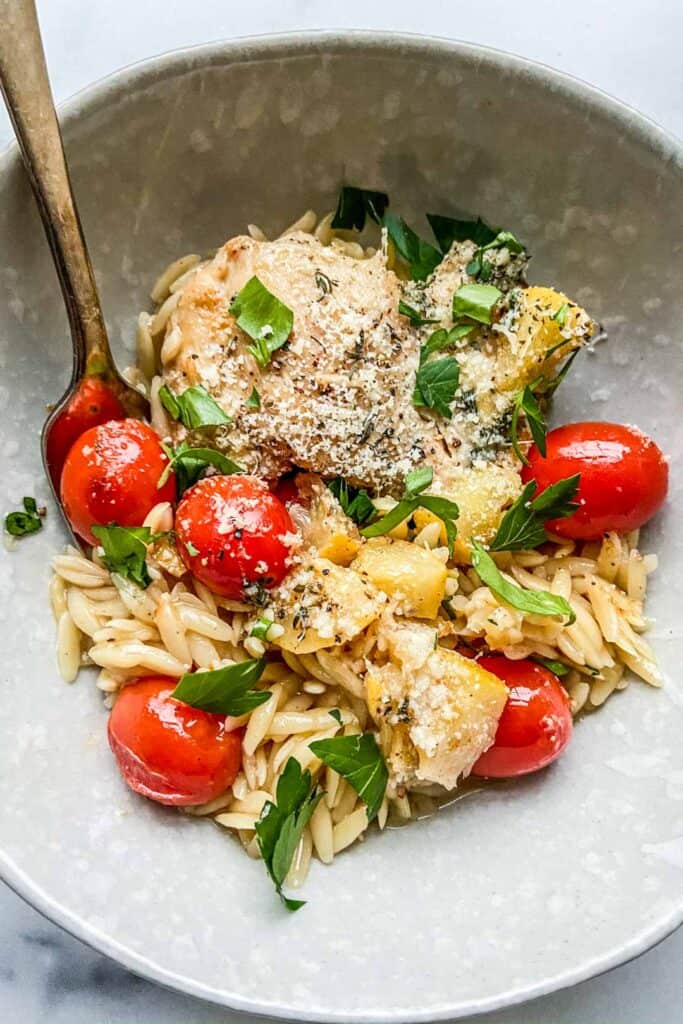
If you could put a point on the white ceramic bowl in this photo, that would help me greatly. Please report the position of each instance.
(510, 893)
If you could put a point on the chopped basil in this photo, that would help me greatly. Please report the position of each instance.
(188, 464)
(264, 318)
(558, 668)
(521, 527)
(358, 760)
(125, 551)
(525, 401)
(421, 257)
(415, 317)
(444, 339)
(414, 484)
(194, 408)
(357, 504)
(225, 691)
(449, 229)
(435, 385)
(254, 400)
(534, 602)
(261, 627)
(336, 714)
(355, 203)
(281, 825)
(476, 302)
(20, 524)
(561, 315)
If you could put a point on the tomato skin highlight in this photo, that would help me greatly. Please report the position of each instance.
(230, 532)
(168, 751)
(93, 403)
(111, 475)
(624, 476)
(536, 723)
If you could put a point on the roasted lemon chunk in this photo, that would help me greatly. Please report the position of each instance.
(411, 575)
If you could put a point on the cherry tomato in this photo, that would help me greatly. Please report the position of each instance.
(287, 491)
(232, 532)
(536, 724)
(169, 751)
(624, 476)
(111, 475)
(93, 403)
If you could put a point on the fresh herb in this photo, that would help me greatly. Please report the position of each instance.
(435, 385)
(525, 401)
(558, 668)
(125, 551)
(482, 268)
(421, 256)
(254, 400)
(20, 524)
(358, 760)
(188, 464)
(413, 497)
(281, 825)
(449, 229)
(534, 602)
(561, 317)
(415, 317)
(521, 527)
(324, 283)
(191, 549)
(442, 338)
(355, 203)
(336, 714)
(553, 385)
(225, 691)
(357, 504)
(261, 627)
(264, 318)
(476, 302)
(195, 408)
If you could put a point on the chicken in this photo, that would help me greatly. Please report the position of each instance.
(337, 400)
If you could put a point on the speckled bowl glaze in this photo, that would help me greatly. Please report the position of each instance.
(512, 892)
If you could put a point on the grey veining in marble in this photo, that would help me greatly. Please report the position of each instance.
(632, 55)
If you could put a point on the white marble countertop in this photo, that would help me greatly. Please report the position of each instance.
(629, 48)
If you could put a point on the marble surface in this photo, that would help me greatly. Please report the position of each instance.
(631, 50)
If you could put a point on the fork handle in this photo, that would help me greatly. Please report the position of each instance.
(26, 90)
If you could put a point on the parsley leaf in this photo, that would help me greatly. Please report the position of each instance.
(194, 407)
(525, 401)
(336, 714)
(261, 627)
(421, 257)
(355, 203)
(188, 464)
(264, 318)
(552, 387)
(558, 668)
(435, 385)
(254, 400)
(414, 484)
(125, 551)
(358, 760)
(442, 338)
(225, 691)
(560, 316)
(534, 602)
(20, 524)
(357, 504)
(415, 317)
(521, 527)
(449, 229)
(476, 302)
(482, 268)
(281, 824)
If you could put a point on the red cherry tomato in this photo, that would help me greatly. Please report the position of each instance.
(536, 724)
(233, 532)
(111, 475)
(93, 403)
(624, 476)
(169, 751)
(287, 491)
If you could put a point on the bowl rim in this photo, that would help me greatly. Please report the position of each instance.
(282, 45)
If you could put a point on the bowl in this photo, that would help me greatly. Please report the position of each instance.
(517, 890)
